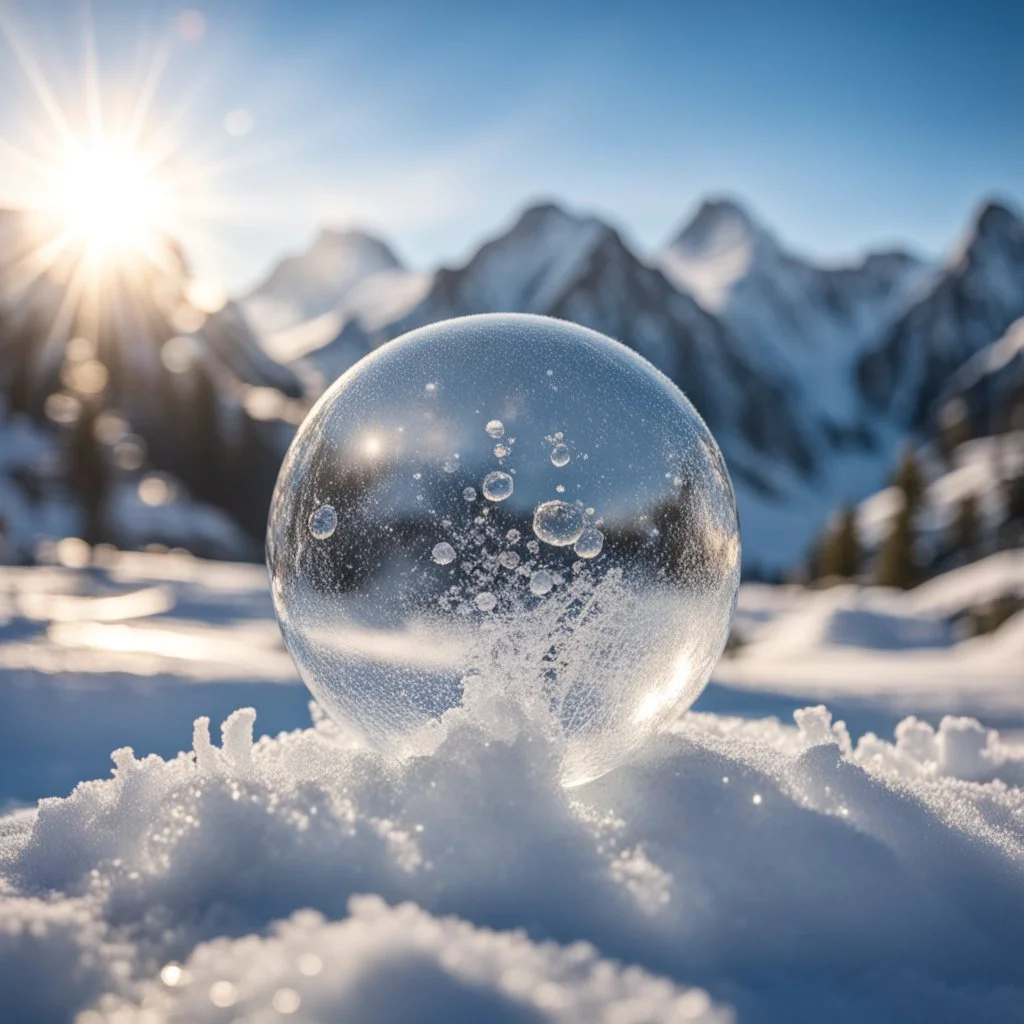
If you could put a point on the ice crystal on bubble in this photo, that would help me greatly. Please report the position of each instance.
(560, 455)
(443, 553)
(497, 486)
(323, 521)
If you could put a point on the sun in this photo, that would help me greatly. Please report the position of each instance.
(109, 199)
(112, 190)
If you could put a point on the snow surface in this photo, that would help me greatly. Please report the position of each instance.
(741, 868)
(885, 650)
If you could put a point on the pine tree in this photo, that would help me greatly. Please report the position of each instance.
(841, 551)
(909, 480)
(89, 474)
(965, 530)
(897, 566)
(954, 428)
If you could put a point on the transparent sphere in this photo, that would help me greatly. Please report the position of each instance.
(585, 566)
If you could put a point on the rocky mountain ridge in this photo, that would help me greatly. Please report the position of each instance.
(802, 370)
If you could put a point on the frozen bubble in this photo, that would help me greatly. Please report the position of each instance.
(500, 451)
(495, 428)
(497, 486)
(541, 582)
(589, 543)
(560, 455)
(443, 553)
(619, 649)
(485, 601)
(323, 522)
(560, 488)
(557, 523)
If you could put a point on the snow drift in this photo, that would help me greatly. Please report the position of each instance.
(739, 867)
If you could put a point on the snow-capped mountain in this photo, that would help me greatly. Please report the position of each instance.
(765, 344)
(311, 283)
(306, 298)
(971, 303)
(809, 321)
(556, 263)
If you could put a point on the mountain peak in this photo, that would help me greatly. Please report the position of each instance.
(994, 222)
(307, 285)
(718, 224)
(549, 215)
(996, 233)
(519, 269)
(352, 241)
(718, 246)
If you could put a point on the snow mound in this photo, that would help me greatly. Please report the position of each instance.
(880, 651)
(403, 964)
(774, 867)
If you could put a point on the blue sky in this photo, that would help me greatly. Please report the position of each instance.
(840, 125)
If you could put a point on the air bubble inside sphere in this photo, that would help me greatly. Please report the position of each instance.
(595, 592)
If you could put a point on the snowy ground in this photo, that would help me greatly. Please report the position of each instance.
(744, 868)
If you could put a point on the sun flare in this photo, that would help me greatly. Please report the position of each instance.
(109, 200)
(113, 187)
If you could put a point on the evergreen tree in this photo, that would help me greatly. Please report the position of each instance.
(909, 480)
(840, 551)
(965, 530)
(1014, 491)
(897, 563)
(89, 474)
(897, 566)
(954, 428)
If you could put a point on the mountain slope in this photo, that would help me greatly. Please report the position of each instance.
(971, 304)
(987, 392)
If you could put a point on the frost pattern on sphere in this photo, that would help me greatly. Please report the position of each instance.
(596, 590)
